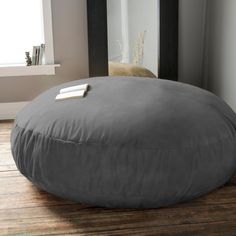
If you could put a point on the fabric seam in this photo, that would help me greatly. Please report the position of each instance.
(121, 146)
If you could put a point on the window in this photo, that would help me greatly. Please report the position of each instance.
(24, 24)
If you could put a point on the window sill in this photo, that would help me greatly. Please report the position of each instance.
(22, 70)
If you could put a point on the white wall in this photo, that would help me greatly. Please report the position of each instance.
(221, 51)
(191, 40)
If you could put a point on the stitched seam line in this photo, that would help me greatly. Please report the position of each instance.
(121, 146)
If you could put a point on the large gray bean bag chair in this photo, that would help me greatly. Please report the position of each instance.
(131, 142)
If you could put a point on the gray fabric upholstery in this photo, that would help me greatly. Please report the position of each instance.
(131, 142)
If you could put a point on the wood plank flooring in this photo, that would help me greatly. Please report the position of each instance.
(26, 210)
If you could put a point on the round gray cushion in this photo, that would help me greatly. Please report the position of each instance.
(131, 142)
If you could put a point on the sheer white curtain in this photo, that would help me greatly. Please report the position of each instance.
(21, 28)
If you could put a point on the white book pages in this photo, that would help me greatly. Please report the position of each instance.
(75, 88)
(69, 95)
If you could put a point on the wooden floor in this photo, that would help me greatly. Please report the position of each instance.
(25, 210)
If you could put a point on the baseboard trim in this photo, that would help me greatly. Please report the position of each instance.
(8, 111)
